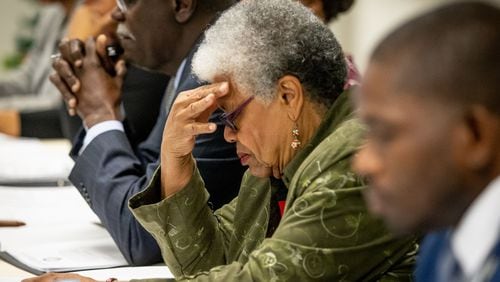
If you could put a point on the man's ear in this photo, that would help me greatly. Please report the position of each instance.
(291, 95)
(483, 127)
(184, 9)
(317, 7)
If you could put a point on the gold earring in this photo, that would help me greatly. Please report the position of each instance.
(295, 142)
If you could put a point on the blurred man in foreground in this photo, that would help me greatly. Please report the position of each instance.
(431, 101)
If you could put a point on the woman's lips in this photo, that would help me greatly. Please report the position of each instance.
(244, 158)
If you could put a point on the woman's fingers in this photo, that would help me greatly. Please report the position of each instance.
(198, 104)
(194, 109)
(217, 89)
(189, 118)
(197, 128)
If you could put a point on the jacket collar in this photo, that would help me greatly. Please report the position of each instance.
(340, 111)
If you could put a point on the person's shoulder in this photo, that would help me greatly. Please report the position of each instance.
(329, 164)
(432, 243)
(429, 253)
(342, 142)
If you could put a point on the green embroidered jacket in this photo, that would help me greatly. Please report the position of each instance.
(325, 234)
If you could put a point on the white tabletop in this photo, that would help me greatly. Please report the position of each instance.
(48, 230)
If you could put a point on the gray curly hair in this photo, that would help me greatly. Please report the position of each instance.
(256, 42)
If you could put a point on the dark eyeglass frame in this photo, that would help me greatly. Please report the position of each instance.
(228, 118)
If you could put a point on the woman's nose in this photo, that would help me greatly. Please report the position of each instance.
(229, 134)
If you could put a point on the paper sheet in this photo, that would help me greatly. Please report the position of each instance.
(30, 160)
(127, 273)
(61, 231)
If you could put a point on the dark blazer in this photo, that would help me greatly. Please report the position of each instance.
(109, 171)
(433, 246)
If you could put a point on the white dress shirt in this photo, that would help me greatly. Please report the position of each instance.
(478, 231)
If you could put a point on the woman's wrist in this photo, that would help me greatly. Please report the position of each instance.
(175, 174)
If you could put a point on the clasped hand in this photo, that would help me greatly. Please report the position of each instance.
(86, 86)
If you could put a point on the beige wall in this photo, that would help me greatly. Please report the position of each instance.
(358, 30)
(369, 20)
(11, 14)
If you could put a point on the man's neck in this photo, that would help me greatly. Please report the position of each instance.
(188, 38)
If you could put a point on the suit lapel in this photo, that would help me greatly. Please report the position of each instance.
(496, 260)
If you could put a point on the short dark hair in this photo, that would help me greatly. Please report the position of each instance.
(332, 8)
(216, 6)
(451, 53)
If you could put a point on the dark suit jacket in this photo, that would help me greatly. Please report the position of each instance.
(428, 266)
(109, 171)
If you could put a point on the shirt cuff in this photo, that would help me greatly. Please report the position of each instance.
(99, 129)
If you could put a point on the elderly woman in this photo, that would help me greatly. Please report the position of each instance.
(278, 74)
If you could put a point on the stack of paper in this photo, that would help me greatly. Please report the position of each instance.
(61, 232)
(30, 162)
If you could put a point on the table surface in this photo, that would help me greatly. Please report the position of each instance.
(7, 269)
(10, 273)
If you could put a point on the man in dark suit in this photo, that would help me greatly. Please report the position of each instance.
(431, 101)
(161, 36)
(141, 89)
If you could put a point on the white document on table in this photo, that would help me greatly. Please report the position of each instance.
(30, 161)
(128, 273)
(61, 232)
(120, 273)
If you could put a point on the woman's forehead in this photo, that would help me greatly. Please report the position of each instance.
(228, 101)
(236, 92)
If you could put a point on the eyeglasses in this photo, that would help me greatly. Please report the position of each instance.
(229, 118)
(121, 5)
